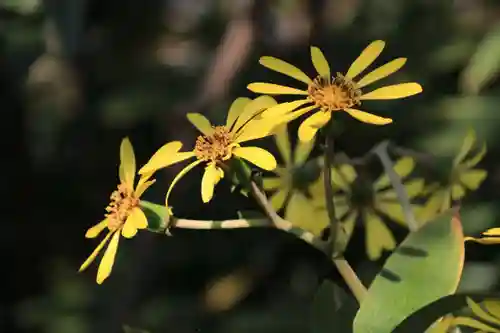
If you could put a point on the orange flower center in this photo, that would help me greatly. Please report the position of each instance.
(334, 94)
(216, 147)
(122, 201)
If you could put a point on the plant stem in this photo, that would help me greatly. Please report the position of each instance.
(353, 282)
(381, 151)
(327, 183)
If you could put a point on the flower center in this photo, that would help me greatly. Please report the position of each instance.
(123, 200)
(216, 147)
(336, 94)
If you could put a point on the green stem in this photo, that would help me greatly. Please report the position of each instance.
(352, 280)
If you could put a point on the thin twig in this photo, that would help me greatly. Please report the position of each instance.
(397, 184)
(353, 282)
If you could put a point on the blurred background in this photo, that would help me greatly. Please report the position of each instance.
(77, 76)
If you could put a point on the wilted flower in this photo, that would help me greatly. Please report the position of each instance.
(124, 215)
(291, 181)
(463, 177)
(327, 93)
(218, 144)
(356, 197)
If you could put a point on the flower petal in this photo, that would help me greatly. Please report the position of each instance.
(394, 210)
(257, 129)
(167, 155)
(457, 191)
(236, 109)
(381, 72)
(478, 311)
(403, 167)
(466, 147)
(302, 214)
(395, 91)
(94, 231)
(129, 230)
(320, 63)
(492, 232)
(211, 177)
(368, 117)
(471, 179)
(139, 218)
(258, 156)
(201, 123)
(284, 67)
(178, 177)
(127, 162)
(413, 188)
(474, 160)
(252, 109)
(94, 254)
(274, 89)
(284, 108)
(108, 259)
(433, 206)
(271, 183)
(302, 151)
(343, 176)
(296, 114)
(366, 58)
(278, 198)
(143, 186)
(310, 126)
(283, 143)
(378, 237)
(485, 240)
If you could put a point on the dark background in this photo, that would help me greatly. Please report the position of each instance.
(77, 76)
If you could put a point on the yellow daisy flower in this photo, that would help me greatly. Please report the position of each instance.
(290, 183)
(124, 215)
(340, 92)
(355, 197)
(218, 144)
(463, 177)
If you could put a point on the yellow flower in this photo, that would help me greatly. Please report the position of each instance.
(290, 183)
(218, 144)
(463, 177)
(339, 92)
(355, 197)
(488, 312)
(124, 215)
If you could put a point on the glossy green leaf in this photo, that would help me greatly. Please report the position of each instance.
(425, 267)
(484, 64)
(157, 216)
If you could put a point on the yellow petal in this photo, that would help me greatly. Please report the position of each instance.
(96, 230)
(94, 254)
(252, 109)
(284, 67)
(492, 232)
(395, 91)
(257, 129)
(138, 218)
(378, 237)
(129, 230)
(274, 89)
(302, 151)
(366, 58)
(278, 199)
(284, 108)
(413, 188)
(381, 72)
(258, 156)
(392, 210)
(320, 63)
(474, 160)
(310, 126)
(493, 307)
(271, 183)
(283, 143)
(471, 179)
(211, 177)
(478, 311)
(473, 323)
(432, 206)
(467, 144)
(167, 155)
(236, 109)
(108, 259)
(485, 240)
(201, 123)
(143, 186)
(178, 177)
(300, 212)
(127, 162)
(343, 176)
(368, 117)
(403, 167)
(296, 114)
(457, 192)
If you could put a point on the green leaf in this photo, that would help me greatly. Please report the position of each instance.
(425, 267)
(157, 216)
(484, 64)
